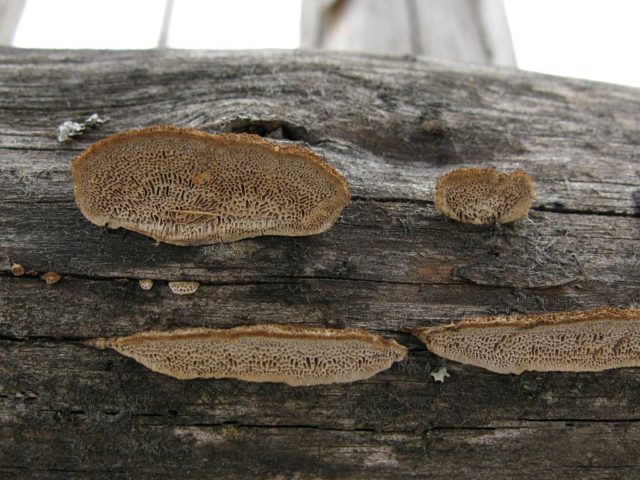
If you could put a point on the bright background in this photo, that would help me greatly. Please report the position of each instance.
(592, 39)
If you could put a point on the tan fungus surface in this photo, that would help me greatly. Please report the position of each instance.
(187, 187)
(590, 340)
(484, 196)
(261, 353)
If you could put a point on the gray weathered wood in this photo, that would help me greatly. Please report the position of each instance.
(474, 31)
(391, 125)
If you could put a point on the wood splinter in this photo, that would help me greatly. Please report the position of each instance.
(261, 353)
(576, 341)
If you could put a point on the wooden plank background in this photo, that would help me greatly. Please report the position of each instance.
(391, 125)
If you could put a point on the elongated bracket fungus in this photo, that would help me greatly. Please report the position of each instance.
(184, 288)
(483, 196)
(186, 187)
(261, 353)
(577, 341)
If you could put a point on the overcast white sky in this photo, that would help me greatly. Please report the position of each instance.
(594, 39)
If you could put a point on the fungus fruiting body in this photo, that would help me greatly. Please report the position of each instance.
(184, 288)
(187, 187)
(577, 341)
(261, 353)
(17, 270)
(484, 196)
(51, 277)
(145, 283)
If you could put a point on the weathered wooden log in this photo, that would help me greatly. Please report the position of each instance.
(391, 263)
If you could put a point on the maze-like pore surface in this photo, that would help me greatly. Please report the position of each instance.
(576, 341)
(484, 196)
(264, 353)
(187, 187)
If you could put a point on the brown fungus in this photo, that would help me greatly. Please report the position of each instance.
(187, 187)
(576, 341)
(484, 196)
(261, 353)
(51, 277)
(184, 288)
(17, 270)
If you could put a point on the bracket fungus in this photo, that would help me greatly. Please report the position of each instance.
(187, 187)
(145, 283)
(51, 278)
(483, 196)
(184, 288)
(17, 270)
(576, 341)
(261, 353)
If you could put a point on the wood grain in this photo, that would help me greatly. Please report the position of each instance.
(392, 126)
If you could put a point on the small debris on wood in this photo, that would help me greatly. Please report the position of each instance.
(146, 283)
(17, 270)
(440, 374)
(51, 278)
(69, 130)
(184, 288)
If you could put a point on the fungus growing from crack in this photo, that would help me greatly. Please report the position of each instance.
(51, 278)
(184, 288)
(484, 196)
(17, 270)
(261, 353)
(576, 341)
(145, 283)
(186, 187)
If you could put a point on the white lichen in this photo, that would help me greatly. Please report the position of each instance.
(440, 374)
(69, 130)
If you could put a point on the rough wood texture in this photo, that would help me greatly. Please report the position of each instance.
(471, 31)
(391, 125)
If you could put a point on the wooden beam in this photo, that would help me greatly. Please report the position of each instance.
(474, 31)
(391, 126)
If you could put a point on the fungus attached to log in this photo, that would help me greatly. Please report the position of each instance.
(51, 278)
(186, 187)
(261, 353)
(484, 196)
(184, 288)
(145, 283)
(17, 270)
(577, 341)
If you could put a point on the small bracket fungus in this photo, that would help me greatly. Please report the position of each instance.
(577, 341)
(261, 353)
(51, 278)
(17, 270)
(145, 283)
(186, 187)
(483, 196)
(184, 288)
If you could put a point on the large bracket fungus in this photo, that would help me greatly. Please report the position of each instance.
(261, 353)
(576, 341)
(484, 196)
(187, 187)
